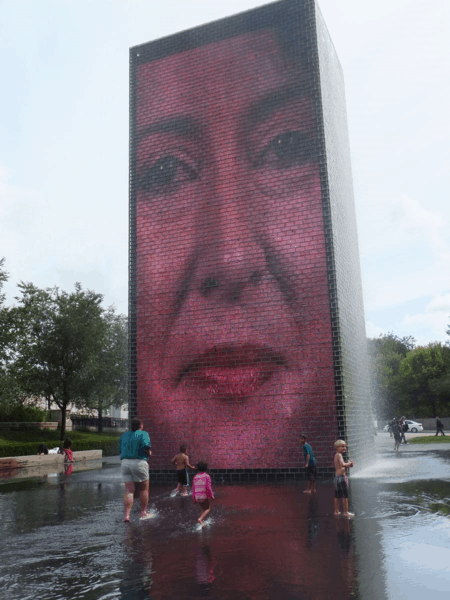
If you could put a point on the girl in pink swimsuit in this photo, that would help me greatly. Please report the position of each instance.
(202, 491)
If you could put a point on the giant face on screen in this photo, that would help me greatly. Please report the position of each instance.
(233, 333)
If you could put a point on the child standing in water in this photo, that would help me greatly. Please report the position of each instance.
(202, 491)
(67, 449)
(310, 465)
(181, 461)
(340, 480)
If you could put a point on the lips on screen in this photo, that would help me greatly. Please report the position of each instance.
(234, 351)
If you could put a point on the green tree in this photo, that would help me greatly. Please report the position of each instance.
(423, 379)
(106, 381)
(59, 336)
(10, 393)
(386, 354)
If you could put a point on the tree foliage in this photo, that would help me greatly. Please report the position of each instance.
(409, 380)
(386, 354)
(423, 380)
(106, 382)
(59, 336)
(10, 392)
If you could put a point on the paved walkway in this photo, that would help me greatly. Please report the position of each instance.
(384, 442)
(111, 460)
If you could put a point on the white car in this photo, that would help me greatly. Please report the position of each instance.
(413, 427)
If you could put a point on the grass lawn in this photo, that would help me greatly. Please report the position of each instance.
(430, 439)
(26, 443)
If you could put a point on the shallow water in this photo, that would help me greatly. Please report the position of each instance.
(62, 537)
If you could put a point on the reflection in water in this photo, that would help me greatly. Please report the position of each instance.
(263, 541)
(62, 537)
(313, 521)
(204, 569)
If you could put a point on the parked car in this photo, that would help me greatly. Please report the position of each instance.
(413, 427)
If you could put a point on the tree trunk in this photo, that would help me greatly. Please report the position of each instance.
(63, 420)
(100, 420)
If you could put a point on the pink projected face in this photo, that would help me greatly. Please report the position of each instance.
(233, 328)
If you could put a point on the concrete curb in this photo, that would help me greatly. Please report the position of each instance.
(47, 460)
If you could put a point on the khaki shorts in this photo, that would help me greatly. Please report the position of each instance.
(134, 469)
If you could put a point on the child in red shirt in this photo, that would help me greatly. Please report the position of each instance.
(67, 449)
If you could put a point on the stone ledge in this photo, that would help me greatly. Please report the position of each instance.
(34, 461)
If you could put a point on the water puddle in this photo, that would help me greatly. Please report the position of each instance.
(62, 537)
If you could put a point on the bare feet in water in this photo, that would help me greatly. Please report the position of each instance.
(146, 515)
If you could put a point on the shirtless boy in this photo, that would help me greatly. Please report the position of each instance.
(181, 462)
(340, 480)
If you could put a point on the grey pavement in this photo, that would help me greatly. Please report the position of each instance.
(384, 442)
(111, 460)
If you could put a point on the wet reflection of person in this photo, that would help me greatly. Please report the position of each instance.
(344, 537)
(204, 569)
(313, 523)
(137, 581)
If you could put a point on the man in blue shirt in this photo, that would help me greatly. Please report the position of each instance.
(134, 448)
(310, 465)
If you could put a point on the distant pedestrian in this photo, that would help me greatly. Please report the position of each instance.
(202, 491)
(42, 449)
(404, 427)
(134, 448)
(439, 426)
(310, 465)
(340, 479)
(390, 425)
(181, 462)
(397, 431)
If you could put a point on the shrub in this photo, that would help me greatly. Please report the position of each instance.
(80, 442)
(19, 413)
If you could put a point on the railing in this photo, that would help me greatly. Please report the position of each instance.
(29, 425)
(92, 422)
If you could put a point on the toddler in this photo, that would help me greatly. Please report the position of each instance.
(202, 491)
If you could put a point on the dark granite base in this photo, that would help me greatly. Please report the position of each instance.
(246, 475)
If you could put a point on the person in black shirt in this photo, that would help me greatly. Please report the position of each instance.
(439, 426)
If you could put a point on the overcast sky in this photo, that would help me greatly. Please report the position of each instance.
(64, 144)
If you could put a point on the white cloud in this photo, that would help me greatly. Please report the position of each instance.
(418, 224)
(433, 322)
(372, 330)
(405, 252)
(43, 245)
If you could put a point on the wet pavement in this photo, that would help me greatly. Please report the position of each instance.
(62, 537)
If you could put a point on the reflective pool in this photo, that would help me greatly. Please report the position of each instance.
(62, 537)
